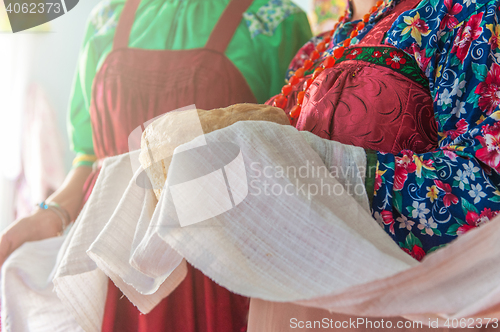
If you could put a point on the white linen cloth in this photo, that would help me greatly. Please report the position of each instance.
(81, 282)
(321, 250)
(28, 300)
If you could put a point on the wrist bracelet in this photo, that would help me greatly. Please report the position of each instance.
(59, 211)
(46, 206)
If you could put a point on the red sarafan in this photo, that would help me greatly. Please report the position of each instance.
(134, 86)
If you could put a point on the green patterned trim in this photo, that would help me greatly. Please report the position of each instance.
(388, 57)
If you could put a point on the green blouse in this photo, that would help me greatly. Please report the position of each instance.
(263, 45)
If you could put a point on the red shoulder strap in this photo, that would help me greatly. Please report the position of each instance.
(125, 23)
(226, 26)
(376, 34)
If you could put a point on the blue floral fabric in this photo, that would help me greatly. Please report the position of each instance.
(268, 17)
(435, 197)
(425, 201)
(103, 17)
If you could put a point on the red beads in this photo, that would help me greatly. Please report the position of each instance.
(281, 101)
(295, 112)
(321, 47)
(314, 55)
(308, 83)
(300, 97)
(338, 52)
(329, 62)
(300, 73)
(285, 90)
(293, 80)
(308, 64)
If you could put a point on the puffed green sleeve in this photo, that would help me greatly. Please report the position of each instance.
(277, 52)
(79, 128)
(96, 43)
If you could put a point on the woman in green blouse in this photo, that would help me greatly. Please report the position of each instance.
(268, 37)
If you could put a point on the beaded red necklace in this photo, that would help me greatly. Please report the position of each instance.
(281, 100)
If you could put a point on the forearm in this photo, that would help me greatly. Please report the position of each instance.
(70, 195)
(44, 223)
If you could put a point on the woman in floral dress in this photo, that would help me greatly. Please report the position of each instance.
(426, 195)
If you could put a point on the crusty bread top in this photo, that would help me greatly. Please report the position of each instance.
(165, 134)
(224, 117)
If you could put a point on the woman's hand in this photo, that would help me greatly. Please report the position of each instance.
(40, 225)
(43, 224)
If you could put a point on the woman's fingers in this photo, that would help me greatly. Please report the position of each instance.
(41, 225)
(5, 248)
(13, 237)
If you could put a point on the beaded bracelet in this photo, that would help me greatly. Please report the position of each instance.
(59, 211)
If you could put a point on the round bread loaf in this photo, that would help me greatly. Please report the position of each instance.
(163, 135)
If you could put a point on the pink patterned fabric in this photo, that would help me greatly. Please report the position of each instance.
(373, 107)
